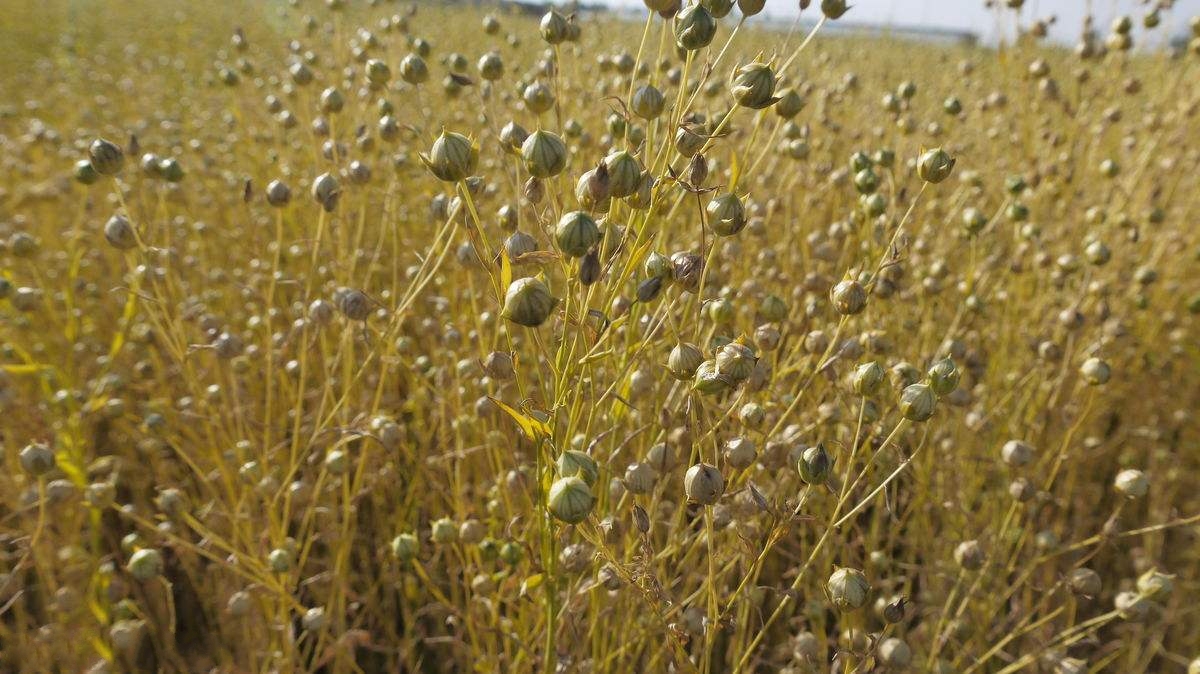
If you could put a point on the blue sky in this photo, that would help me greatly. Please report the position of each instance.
(972, 15)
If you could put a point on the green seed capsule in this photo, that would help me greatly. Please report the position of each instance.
(709, 381)
(703, 484)
(944, 377)
(574, 462)
(685, 359)
(813, 465)
(84, 173)
(570, 499)
(694, 28)
(453, 157)
(544, 154)
(405, 547)
(834, 9)
(145, 564)
(935, 166)
(726, 214)
(648, 102)
(576, 234)
(414, 70)
(848, 589)
(917, 402)
(528, 302)
(107, 158)
(867, 378)
(554, 28)
(754, 86)
(624, 174)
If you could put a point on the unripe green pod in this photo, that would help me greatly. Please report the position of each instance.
(405, 547)
(736, 361)
(170, 170)
(814, 465)
(703, 484)
(570, 499)
(37, 459)
(332, 100)
(739, 453)
(773, 309)
(867, 377)
(708, 381)
(576, 234)
(973, 220)
(84, 173)
(952, 106)
(848, 297)
(1132, 483)
(119, 233)
(512, 137)
(443, 531)
(1098, 253)
(874, 205)
(453, 157)
(554, 28)
(639, 478)
(694, 28)
(720, 311)
(278, 194)
(301, 74)
(894, 653)
(726, 214)
(145, 564)
(969, 555)
(107, 158)
(790, 103)
(544, 154)
(538, 98)
(378, 73)
(866, 182)
(718, 8)
(859, 161)
(528, 302)
(751, 7)
(624, 173)
(685, 359)
(917, 402)
(935, 166)
(1085, 582)
(944, 377)
(491, 66)
(1016, 453)
(414, 70)
(648, 102)
(574, 462)
(1095, 371)
(834, 9)
(848, 589)
(754, 86)
(657, 266)
(1132, 606)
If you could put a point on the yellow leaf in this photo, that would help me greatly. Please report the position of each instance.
(505, 270)
(531, 583)
(530, 426)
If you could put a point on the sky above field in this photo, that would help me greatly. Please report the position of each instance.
(972, 15)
